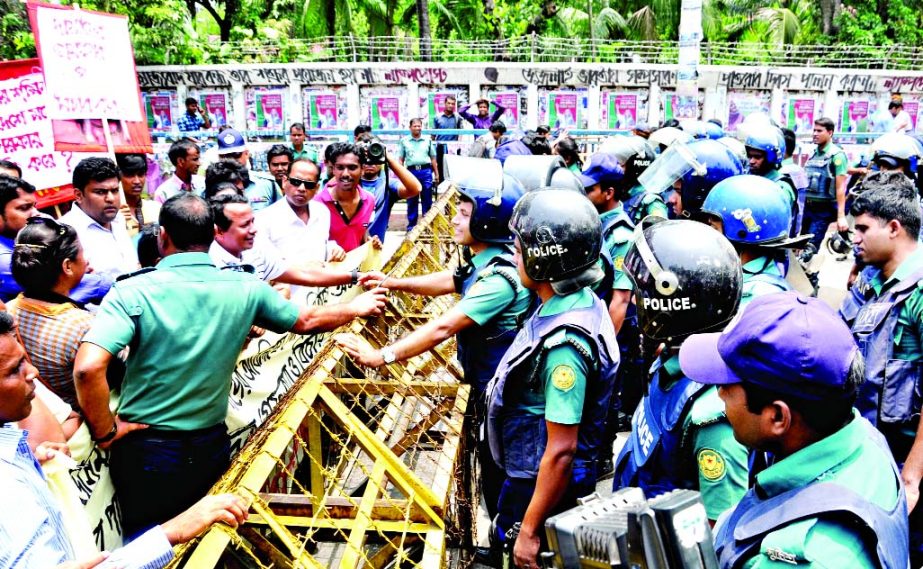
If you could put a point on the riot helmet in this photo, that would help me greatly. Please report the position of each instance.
(699, 165)
(736, 147)
(560, 237)
(752, 210)
(540, 171)
(770, 142)
(695, 129)
(634, 153)
(492, 194)
(713, 130)
(895, 150)
(687, 278)
(663, 138)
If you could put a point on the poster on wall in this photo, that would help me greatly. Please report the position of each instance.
(323, 110)
(385, 113)
(622, 111)
(800, 114)
(216, 105)
(509, 100)
(855, 116)
(740, 104)
(563, 109)
(269, 111)
(159, 111)
(912, 108)
(435, 106)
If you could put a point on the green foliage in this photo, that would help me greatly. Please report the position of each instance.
(882, 22)
(16, 41)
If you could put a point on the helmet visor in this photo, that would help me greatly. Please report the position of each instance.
(674, 163)
(474, 173)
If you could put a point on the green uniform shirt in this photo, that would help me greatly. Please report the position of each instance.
(721, 461)
(492, 296)
(655, 207)
(908, 335)
(307, 153)
(564, 371)
(618, 243)
(787, 189)
(753, 289)
(846, 457)
(417, 151)
(839, 158)
(186, 323)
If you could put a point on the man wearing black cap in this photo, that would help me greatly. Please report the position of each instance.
(788, 371)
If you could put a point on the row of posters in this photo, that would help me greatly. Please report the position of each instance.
(163, 109)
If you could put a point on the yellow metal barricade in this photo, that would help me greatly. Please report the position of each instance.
(359, 467)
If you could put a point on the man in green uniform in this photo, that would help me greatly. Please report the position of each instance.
(493, 305)
(826, 192)
(788, 370)
(168, 437)
(635, 155)
(547, 402)
(687, 280)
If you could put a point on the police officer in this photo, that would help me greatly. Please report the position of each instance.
(895, 151)
(765, 150)
(547, 401)
(494, 302)
(635, 155)
(687, 280)
(600, 180)
(688, 172)
(787, 370)
(755, 217)
(826, 193)
(797, 175)
(262, 191)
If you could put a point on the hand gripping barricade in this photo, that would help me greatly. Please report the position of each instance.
(360, 467)
(627, 531)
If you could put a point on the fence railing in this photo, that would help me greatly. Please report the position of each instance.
(535, 48)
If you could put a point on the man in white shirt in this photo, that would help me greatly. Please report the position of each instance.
(297, 226)
(184, 155)
(95, 216)
(236, 247)
(902, 122)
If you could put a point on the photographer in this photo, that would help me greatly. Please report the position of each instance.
(387, 185)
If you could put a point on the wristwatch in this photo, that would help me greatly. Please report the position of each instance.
(388, 356)
(354, 276)
(108, 436)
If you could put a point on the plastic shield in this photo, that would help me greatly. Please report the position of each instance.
(674, 163)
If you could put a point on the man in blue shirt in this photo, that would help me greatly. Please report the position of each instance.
(387, 190)
(447, 120)
(189, 122)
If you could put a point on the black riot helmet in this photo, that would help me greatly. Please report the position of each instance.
(687, 278)
(634, 154)
(560, 237)
(542, 171)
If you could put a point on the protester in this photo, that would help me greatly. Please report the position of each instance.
(10, 169)
(184, 155)
(448, 120)
(388, 186)
(483, 119)
(168, 439)
(137, 210)
(48, 262)
(95, 215)
(297, 226)
(350, 206)
(195, 118)
(225, 172)
(299, 150)
(279, 158)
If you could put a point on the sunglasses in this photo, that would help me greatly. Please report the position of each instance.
(308, 184)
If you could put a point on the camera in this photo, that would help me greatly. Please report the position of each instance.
(372, 151)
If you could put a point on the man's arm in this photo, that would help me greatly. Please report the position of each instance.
(312, 319)
(315, 276)
(93, 394)
(206, 120)
(840, 168)
(618, 307)
(410, 184)
(420, 340)
(463, 113)
(553, 479)
(433, 284)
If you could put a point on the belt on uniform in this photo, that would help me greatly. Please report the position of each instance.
(420, 167)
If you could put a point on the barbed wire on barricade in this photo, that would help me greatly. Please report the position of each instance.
(360, 467)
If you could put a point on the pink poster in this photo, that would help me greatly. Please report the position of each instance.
(161, 113)
(562, 110)
(386, 113)
(216, 105)
(510, 101)
(912, 108)
(855, 117)
(269, 113)
(623, 111)
(801, 115)
(323, 109)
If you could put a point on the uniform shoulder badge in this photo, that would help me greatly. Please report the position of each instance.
(563, 377)
(711, 464)
(619, 262)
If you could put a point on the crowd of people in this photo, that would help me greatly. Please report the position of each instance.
(643, 288)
